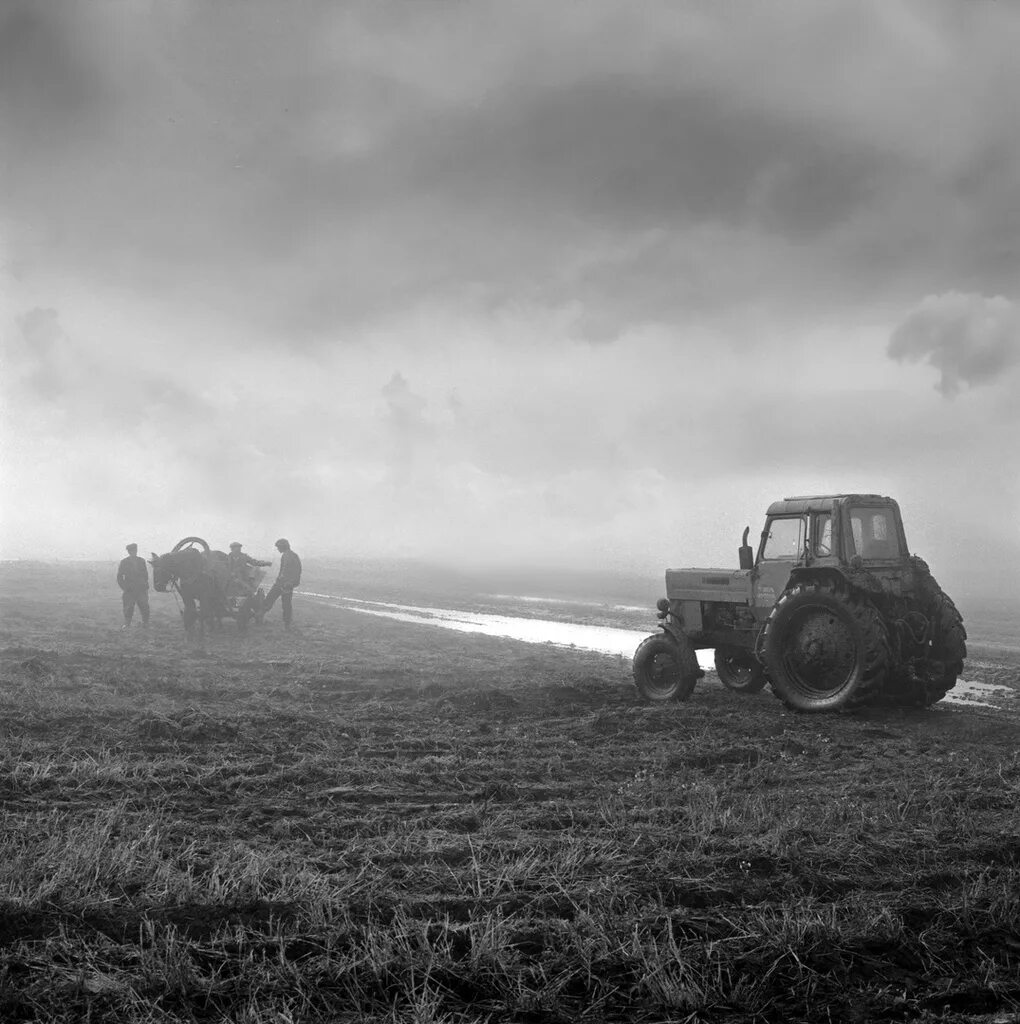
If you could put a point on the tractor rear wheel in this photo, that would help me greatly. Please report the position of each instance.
(948, 648)
(826, 649)
(937, 674)
(739, 670)
(665, 669)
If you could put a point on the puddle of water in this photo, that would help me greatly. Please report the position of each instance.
(967, 691)
(600, 639)
(527, 599)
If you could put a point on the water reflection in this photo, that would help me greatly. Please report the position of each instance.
(600, 639)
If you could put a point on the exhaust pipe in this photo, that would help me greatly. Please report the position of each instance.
(745, 554)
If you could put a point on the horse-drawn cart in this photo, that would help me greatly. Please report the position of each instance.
(207, 587)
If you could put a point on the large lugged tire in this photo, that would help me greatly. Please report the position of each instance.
(948, 648)
(739, 670)
(933, 678)
(665, 669)
(826, 649)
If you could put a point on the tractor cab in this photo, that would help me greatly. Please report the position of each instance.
(823, 532)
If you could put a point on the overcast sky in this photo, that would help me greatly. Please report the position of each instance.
(584, 283)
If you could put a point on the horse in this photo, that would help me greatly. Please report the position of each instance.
(200, 577)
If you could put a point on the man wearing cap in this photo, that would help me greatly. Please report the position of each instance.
(241, 565)
(133, 580)
(288, 578)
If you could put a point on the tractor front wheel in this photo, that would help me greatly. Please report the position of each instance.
(826, 649)
(739, 670)
(665, 669)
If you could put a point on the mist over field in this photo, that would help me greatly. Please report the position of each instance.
(623, 598)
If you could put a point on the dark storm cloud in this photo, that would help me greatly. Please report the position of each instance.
(232, 223)
(324, 169)
(46, 88)
(970, 339)
(137, 156)
(636, 152)
(585, 193)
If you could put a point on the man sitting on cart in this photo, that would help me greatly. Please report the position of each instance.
(242, 570)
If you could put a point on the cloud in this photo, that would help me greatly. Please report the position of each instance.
(230, 228)
(323, 170)
(33, 356)
(92, 390)
(406, 409)
(46, 81)
(970, 339)
(411, 434)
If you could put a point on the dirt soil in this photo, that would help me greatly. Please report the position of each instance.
(373, 821)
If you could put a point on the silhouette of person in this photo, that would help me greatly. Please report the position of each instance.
(289, 577)
(133, 580)
(242, 566)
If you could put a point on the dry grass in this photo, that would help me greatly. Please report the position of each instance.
(385, 823)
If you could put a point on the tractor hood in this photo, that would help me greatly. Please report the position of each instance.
(709, 585)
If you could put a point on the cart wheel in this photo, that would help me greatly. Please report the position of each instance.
(192, 542)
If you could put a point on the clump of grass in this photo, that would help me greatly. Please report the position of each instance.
(242, 840)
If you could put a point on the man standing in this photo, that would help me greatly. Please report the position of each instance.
(288, 578)
(133, 580)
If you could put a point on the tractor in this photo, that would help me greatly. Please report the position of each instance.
(832, 612)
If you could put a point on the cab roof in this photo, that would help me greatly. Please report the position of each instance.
(823, 502)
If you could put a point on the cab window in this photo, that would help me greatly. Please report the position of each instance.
(786, 538)
(874, 533)
(823, 536)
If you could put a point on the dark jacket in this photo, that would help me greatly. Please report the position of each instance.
(242, 560)
(290, 570)
(133, 573)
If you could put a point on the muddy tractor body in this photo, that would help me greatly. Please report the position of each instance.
(831, 610)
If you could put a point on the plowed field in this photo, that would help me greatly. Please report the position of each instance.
(371, 820)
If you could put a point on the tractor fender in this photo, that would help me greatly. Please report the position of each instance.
(675, 630)
(681, 636)
(827, 574)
